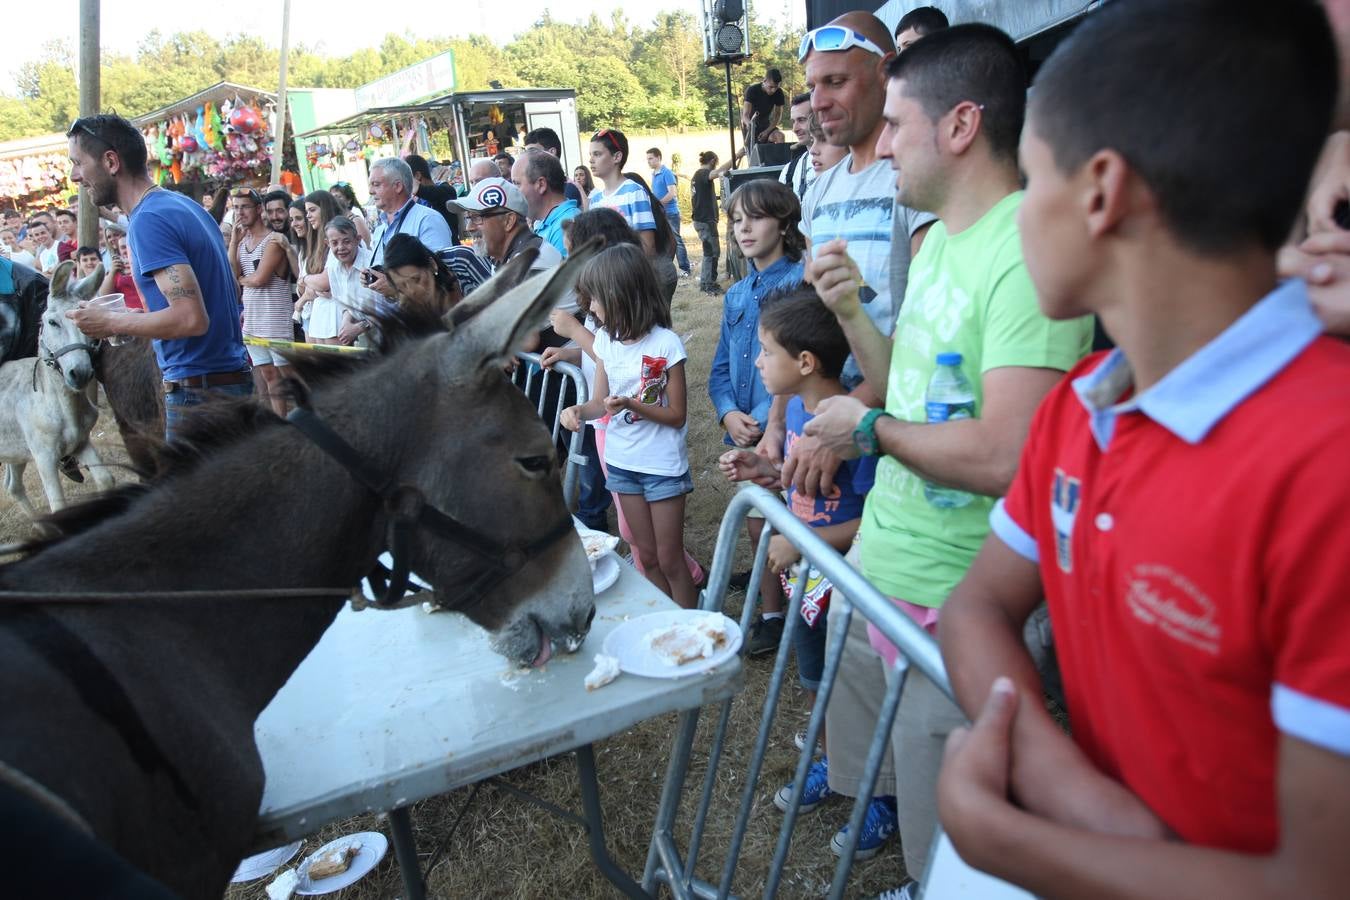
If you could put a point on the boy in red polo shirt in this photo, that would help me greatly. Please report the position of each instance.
(1181, 501)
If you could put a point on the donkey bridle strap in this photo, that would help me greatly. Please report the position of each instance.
(408, 511)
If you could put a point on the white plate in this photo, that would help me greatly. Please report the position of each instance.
(373, 848)
(606, 572)
(263, 864)
(635, 657)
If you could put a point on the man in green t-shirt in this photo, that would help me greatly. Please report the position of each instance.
(954, 107)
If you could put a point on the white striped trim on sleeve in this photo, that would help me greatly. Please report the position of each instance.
(1012, 534)
(1318, 722)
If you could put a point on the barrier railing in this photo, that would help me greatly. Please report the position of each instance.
(548, 390)
(852, 592)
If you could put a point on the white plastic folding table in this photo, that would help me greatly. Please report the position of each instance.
(395, 707)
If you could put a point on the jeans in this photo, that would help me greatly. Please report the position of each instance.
(707, 234)
(177, 402)
(681, 254)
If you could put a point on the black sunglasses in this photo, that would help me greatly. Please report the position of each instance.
(247, 194)
(81, 126)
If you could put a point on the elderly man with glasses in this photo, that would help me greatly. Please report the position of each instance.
(391, 187)
(496, 215)
(181, 269)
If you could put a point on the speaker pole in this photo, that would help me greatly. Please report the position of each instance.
(731, 113)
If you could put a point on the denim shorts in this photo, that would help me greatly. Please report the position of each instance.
(809, 644)
(652, 487)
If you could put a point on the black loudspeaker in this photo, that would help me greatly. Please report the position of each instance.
(774, 154)
(726, 31)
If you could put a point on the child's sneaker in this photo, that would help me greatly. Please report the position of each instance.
(879, 824)
(817, 788)
(800, 740)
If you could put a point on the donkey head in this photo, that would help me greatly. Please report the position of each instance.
(500, 473)
(60, 340)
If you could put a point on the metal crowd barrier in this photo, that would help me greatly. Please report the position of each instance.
(530, 377)
(665, 864)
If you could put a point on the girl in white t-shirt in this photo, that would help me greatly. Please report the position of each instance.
(640, 383)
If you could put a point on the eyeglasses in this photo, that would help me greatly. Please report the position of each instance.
(476, 218)
(832, 38)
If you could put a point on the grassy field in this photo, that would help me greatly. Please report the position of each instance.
(506, 848)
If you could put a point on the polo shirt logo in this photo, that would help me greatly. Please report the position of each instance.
(1158, 595)
(1065, 497)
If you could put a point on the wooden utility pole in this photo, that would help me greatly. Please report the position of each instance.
(89, 106)
(279, 133)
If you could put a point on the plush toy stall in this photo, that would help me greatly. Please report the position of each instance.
(222, 135)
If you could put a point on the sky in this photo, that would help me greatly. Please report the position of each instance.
(337, 27)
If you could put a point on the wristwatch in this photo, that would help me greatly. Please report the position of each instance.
(865, 435)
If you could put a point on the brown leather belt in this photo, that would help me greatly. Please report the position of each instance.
(209, 380)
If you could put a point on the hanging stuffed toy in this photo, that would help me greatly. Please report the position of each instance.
(211, 129)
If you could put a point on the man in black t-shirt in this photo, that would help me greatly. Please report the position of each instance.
(763, 105)
(705, 216)
(431, 193)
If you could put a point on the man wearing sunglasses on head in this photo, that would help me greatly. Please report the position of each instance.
(181, 270)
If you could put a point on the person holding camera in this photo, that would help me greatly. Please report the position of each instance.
(118, 280)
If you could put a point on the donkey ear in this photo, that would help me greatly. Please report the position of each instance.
(88, 288)
(61, 278)
(503, 327)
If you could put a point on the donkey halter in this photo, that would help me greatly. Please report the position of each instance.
(408, 511)
(51, 361)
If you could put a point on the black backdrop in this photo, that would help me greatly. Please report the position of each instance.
(818, 12)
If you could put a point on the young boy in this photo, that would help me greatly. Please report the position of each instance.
(764, 219)
(1181, 500)
(802, 353)
(87, 259)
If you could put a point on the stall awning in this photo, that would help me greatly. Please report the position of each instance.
(34, 146)
(434, 106)
(221, 90)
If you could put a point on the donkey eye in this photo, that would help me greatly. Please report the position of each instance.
(535, 465)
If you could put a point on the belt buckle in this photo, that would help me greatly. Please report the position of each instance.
(170, 387)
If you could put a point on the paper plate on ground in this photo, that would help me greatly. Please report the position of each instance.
(607, 571)
(260, 865)
(629, 644)
(373, 847)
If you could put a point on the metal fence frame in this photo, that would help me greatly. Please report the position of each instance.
(536, 374)
(664, 862)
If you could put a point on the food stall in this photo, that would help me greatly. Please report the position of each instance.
(464, 126)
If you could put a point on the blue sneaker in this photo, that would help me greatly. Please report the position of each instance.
(878, 826)
(816, 792)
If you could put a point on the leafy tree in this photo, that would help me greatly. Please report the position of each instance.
(624, 74)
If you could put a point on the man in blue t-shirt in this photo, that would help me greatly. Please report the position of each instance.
(191, 294)
(664, 185)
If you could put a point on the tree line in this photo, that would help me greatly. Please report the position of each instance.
(624, 75)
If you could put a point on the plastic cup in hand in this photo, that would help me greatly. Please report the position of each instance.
(112, 303)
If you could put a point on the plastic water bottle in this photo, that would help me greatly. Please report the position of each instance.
(949, 397)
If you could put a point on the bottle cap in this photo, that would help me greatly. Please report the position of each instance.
(950, 358)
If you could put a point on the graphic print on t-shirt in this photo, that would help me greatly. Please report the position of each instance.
(652, 388)
(855, 219)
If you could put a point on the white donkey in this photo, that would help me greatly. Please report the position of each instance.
(45, 412)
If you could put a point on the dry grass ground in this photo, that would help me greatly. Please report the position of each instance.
(507, 848)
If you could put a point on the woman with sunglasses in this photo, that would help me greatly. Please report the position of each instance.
(628, 195)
